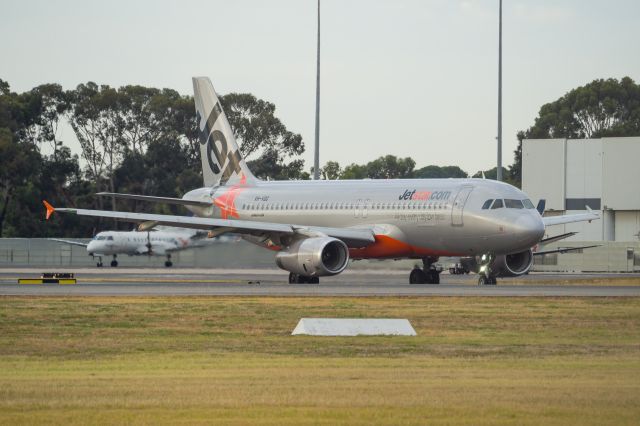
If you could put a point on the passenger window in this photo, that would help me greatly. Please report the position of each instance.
(487, 204)
(497, 205)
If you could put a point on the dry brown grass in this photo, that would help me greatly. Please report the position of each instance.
(232, 361)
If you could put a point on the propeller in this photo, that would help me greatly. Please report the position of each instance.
(149, 247)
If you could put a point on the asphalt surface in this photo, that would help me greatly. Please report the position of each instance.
(268, 282)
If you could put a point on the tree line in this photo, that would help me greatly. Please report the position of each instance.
(144, 140)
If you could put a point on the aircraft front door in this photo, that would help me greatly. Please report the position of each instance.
(458, 205)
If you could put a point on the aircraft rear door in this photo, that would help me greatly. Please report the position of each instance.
(458, 205)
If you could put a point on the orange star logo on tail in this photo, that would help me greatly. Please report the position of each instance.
(227, 201)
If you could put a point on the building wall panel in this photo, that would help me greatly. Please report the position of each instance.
(543, 168)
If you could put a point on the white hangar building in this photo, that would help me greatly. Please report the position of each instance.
(571, 174)
(603, 174)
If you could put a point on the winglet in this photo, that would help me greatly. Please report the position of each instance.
(50, 208)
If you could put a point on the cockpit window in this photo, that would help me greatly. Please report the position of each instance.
(487, 204)
(513, 204)
(497, 204)
(528, 204)
(110, 238)
(101, 237)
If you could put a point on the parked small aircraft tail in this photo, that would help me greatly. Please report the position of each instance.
(222, 161)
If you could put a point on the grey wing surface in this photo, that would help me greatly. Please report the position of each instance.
(151, 199)
(563, 250)
(571, 218)
(353, 237)
(73, 243)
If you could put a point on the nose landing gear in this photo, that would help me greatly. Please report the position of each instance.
(487, 280)
(427, 275)
(168, 262)
(486, 275)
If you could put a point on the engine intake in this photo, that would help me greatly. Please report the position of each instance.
(504, 265)
(314, 257)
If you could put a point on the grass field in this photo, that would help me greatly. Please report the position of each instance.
(233, 361)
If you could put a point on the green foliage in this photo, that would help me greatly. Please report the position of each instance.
(133, 139)
(387, 167)
(437, 172)
(602, 108)
(264, 141)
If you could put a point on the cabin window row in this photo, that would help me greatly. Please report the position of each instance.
(345, 206)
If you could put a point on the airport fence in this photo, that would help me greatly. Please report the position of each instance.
(41, 252)
(37, 252)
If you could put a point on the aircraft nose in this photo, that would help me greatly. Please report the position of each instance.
(91, 247)
(529, 229)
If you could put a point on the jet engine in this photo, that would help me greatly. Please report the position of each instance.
(504, 265)
(314, 257)
(512, 265)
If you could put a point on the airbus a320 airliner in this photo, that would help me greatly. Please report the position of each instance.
(317, 226)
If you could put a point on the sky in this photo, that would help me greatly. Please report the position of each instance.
(413, 78)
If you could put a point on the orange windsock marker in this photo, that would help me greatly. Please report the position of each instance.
(50, 208)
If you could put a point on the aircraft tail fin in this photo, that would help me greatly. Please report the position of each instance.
(222, 162)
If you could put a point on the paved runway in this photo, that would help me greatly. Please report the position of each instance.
(268, 282)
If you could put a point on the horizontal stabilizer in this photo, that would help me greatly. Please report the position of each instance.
(151, 199)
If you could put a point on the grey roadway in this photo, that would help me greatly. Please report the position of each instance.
(176, 282)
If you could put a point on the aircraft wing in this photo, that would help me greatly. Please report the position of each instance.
(149, 198)
(562, 250)
(353, 237)
(571, 218)
(73, 243)
(557, 238)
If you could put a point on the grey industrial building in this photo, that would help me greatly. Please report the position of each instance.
(602, 174)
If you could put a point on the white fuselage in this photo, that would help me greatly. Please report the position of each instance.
(159, 243)
(410, 217)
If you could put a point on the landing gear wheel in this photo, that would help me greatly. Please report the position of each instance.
(417, 276)
(168, 264)
(492, 281)
(482, 280)
(433, 277)
(114, 263)
(302, 279)
(99, 264)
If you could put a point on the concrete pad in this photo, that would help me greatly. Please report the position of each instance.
(354, 327)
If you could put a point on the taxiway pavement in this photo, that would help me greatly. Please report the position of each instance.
(269, 282)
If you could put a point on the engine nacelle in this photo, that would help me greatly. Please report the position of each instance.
(314, 257)
(504, 265)
(512, 265)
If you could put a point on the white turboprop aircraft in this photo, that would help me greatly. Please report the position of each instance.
(161, 242)
(317, 226)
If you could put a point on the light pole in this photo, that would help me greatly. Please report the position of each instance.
(316, 158)
(499, 170)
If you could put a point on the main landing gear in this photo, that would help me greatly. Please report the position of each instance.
(302, 279)
(168, 262)
(427, 275)
(114, 262)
